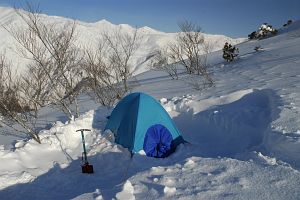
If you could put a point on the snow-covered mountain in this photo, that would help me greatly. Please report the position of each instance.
(244, 137)
(88, 33)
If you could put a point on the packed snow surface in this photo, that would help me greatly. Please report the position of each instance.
(243, 137)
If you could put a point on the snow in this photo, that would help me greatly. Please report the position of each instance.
(127, 192)
(169, 190)
(88, 34)
(243, 136)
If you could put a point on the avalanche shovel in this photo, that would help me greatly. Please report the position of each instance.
(85, 166)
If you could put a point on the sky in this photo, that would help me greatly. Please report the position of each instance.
(234, 18)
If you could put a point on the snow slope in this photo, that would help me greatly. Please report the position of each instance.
(244, 136)
(88, 33)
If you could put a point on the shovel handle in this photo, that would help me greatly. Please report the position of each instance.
(83, 143)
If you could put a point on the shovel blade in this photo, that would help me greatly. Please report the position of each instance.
(87, 168)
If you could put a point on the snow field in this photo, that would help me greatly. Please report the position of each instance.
(243, 137)
(192, 172)
(216, 179)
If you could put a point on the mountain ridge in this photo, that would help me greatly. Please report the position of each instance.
(88, 33)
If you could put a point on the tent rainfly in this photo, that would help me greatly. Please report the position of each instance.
(139, 122)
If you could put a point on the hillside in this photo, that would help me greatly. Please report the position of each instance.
(243, 134)
(88, 33)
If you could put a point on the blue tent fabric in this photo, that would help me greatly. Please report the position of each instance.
(158, 141)
(134, 115)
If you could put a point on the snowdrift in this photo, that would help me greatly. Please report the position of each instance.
(244, 136)
(194, 171)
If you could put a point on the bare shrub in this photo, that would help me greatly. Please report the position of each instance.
(190, 50)
(102, 77)
(164, 61)
(14, 109)
(109, 67)
(54, 71)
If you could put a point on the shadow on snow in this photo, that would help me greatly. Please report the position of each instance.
(225, 130)
(231, 129)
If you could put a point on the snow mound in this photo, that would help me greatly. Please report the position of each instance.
(127, 192)
(231, 124)
(169, 190)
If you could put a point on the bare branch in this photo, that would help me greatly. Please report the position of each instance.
(55, 68)
(190, 50)
(109, 67)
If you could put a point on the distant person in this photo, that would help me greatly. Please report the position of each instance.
(229, 52)
(226, 47)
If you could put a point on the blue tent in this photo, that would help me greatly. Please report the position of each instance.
(140, 122)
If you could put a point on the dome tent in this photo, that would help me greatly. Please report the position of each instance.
(139, 122)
